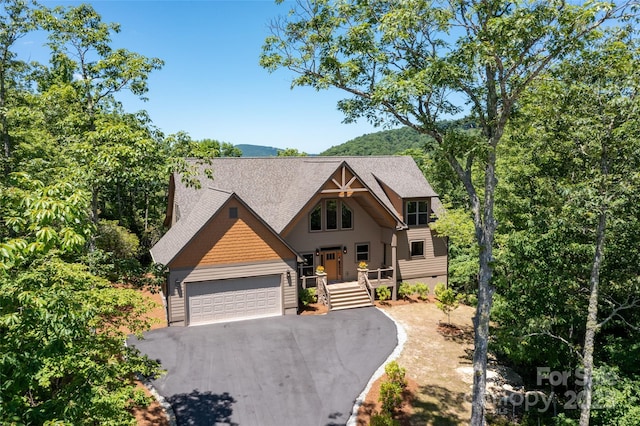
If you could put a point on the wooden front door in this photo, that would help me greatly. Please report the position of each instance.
(332, 261)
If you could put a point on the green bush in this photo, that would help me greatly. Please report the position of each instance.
(383, 419)
(383, 293)
(390, 397)
(116, 239)
(396, 374)
(422, 289)
(406, 290)
(307, 296)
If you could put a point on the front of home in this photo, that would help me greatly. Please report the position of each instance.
(243, 241)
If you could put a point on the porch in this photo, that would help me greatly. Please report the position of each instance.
(351, 294)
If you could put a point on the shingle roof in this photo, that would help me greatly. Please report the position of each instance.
(204, 208)
(277, 188)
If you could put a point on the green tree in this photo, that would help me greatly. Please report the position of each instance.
(63, 358)
(16, 20)
(394, 59)
(291, 152)
(80, 45)
(569, 211)
(447, 300)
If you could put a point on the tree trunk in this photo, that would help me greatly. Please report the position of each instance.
(485, 232)
(592, 322)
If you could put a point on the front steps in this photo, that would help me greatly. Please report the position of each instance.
(347, 296)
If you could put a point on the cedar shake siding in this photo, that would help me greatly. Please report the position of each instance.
(226, 240)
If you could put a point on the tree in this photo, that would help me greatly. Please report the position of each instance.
(15, 21)
(80, 46)
(568, 269)
(447, 300)
(395, 59)
(291, 152)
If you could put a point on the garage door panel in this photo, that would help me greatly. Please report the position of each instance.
(229, 300)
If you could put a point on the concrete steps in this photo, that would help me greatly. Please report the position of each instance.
(348, 296)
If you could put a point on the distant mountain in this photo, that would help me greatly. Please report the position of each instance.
(257, 150)
(386, 142)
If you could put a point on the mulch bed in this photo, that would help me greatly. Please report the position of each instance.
(371, 405)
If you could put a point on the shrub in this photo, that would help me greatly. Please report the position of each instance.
(406, 290)
(383, 419)
(396, 374)
(390, 397)
(308, 295)
(383, 293)
(422, 289)
(116, 239)
(447, 300)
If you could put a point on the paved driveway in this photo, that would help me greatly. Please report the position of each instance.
(290, 370)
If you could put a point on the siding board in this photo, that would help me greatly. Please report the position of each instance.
(434, 262)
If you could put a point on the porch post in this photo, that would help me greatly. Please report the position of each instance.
(394, 263)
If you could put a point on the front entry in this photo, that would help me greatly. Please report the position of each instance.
(332, 262)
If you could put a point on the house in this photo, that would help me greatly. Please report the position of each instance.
(244, 242)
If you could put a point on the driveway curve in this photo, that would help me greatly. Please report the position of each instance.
(290, 370)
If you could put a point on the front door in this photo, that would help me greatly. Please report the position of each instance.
(332, 261)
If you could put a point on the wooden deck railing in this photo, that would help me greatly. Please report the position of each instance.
(309, 281)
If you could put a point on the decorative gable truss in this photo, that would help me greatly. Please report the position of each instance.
(346, 183)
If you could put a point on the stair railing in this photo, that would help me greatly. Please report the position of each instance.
(369, 288)
(322, 290)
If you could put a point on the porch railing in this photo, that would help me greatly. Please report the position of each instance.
(309, 281)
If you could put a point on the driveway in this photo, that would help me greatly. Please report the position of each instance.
(290, 370)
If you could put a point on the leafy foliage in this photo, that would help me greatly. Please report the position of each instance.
(383, 293)
(307, 296)
(63, 357)
(447, 300)
(406, 290)
(422, 290)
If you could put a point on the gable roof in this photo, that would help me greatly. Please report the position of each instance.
(278, 188)
(204, 208)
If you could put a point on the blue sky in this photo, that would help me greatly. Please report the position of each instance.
(211, 85)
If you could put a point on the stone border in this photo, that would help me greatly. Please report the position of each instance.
(402, 339)
(168, 409)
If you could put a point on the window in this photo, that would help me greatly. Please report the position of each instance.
(347, 217)
(306, 269)
(417, 248)
(417, 213)
(331, 207)
(362, 252)
(233, 212)
(315, 218)
(330, 215)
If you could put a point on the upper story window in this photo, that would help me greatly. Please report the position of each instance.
(330, 215)
(417, 213)
(315, 218)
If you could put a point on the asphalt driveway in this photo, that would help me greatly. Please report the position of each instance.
(290, 370)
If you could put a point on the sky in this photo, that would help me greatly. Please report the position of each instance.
(212, 85)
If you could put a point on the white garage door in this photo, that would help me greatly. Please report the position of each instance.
(235, 299)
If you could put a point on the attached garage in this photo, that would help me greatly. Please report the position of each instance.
(234, 299)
